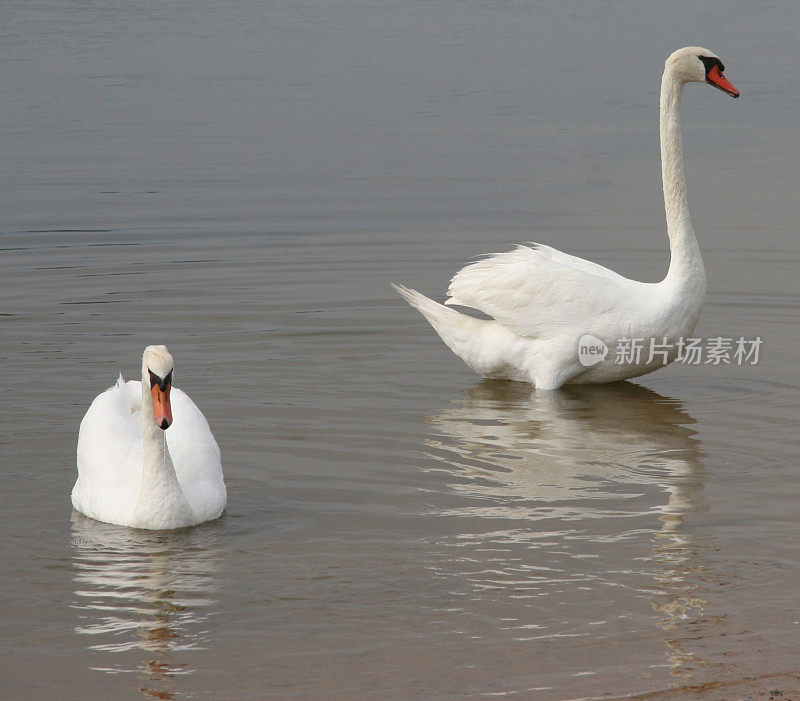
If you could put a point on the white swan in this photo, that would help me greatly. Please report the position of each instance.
(543, 301)
(132, 471)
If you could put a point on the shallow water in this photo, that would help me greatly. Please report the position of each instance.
(243, 184)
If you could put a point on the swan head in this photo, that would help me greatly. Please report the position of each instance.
(694, 64)
(157, 366)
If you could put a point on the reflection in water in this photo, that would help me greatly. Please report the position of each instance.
(575, 480)
(145, 591)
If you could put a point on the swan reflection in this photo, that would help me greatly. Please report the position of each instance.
(573, 498)
(144, 592)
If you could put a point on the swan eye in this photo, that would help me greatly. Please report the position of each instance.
(162, 383)
(710, 61)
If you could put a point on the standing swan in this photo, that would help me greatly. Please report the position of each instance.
(131, 470)
(545, 303)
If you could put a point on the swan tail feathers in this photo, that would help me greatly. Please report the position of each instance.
(469, 338)
(439, 316)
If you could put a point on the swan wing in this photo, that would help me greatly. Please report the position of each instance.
(196, 457)
(538, 291)
(110, 453)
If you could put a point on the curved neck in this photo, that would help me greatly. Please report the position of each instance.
(685, 260)
(160, 502)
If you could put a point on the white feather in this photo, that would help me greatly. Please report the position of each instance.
(537, 290)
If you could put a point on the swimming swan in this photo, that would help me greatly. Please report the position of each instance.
(545, 303)
(132, 471)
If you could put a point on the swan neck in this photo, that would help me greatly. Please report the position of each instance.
(685, 257)
(160, 502)
(154, 440)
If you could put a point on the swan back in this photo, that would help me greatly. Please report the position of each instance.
(537, 291)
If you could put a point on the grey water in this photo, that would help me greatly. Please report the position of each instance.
(242, 181)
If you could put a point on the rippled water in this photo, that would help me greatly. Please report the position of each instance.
(242, 183)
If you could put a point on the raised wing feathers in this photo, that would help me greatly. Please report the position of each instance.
(538, 291)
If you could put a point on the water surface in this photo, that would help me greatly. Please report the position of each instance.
(242, 183)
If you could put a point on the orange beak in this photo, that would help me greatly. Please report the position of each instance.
(161, 406)
(718, 80)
